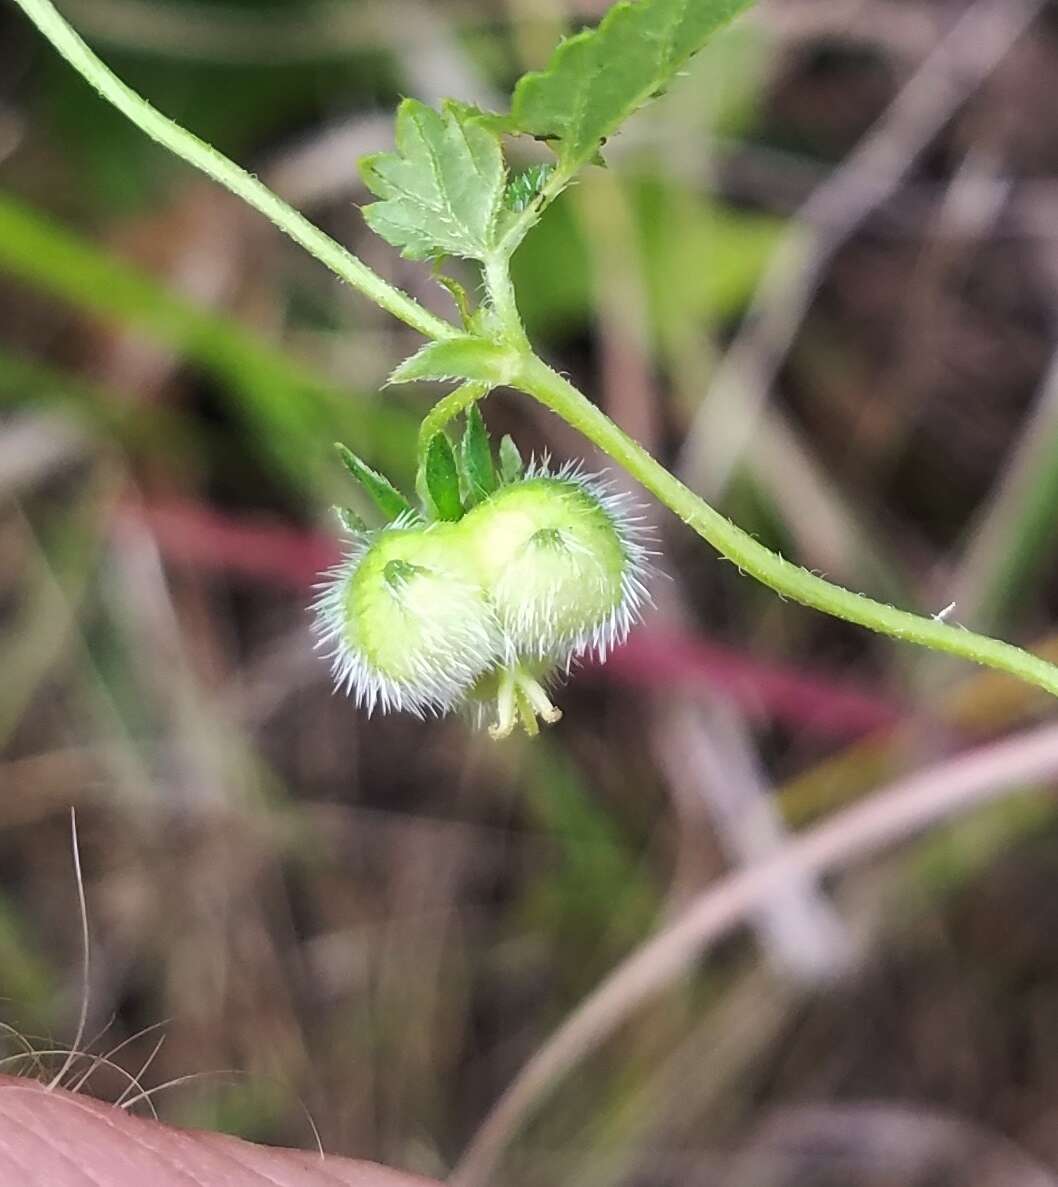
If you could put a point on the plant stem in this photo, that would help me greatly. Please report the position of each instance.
(558, 394)
(445, 410)
(501, 292)
(535, 377)
(203, 156)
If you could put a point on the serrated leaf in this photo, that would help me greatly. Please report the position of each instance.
(442, 190)
(442, 479)
(523, 190)
(598, 78)
(479, 473)
(511, 465)
(458, 358)
(383, 493)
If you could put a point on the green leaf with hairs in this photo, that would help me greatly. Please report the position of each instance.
(479, 473)
(383, 493)
(511, 465)
(525, 187)
(442, 479)
(458, 294)
(467, 357)
(350, 521)
(598, 78)
(443, 189)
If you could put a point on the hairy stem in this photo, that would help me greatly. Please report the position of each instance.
(501, 293)
(558, 394)
(536, 378)
(203, 156)
(447, 410)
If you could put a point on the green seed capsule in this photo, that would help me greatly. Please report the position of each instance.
(408, 620)
(482, 611)
(563, 560)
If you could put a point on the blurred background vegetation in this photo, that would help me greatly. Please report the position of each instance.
(379, 922)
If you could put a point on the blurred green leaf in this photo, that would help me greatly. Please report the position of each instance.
(952, 859)
(27, 382)
(238, 107)
(290, 409)
(25, 978)
(702, 261)
(598, 898)
(250, 1108)
(552, 275)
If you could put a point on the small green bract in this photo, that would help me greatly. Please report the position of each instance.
(482, 613)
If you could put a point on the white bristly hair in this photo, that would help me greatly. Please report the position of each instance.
(458, 649)
(636, 538)
(470, 645)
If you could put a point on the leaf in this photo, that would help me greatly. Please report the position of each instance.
(598, 78)
(702, 262)
(442, 479)
(511, 465)
(442, 190)
(458, 294)
(523, 189)
(285, 408)
(350, 521)
(478, 470)
(383, 493)
(465, 357)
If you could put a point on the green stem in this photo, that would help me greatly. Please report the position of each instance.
(445, 410)
(501, 293)
(203, 156)
(558, 394)
(535, 377)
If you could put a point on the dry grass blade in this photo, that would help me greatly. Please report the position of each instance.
(911, 805)
(973, 48)
(712, 766)
(903, 1144)
(1010, 528)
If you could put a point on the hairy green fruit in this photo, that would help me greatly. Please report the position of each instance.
(563, 559)
(408, 622)
(447, 191)
(484, 610)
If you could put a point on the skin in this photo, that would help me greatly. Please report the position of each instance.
(57, 1139)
